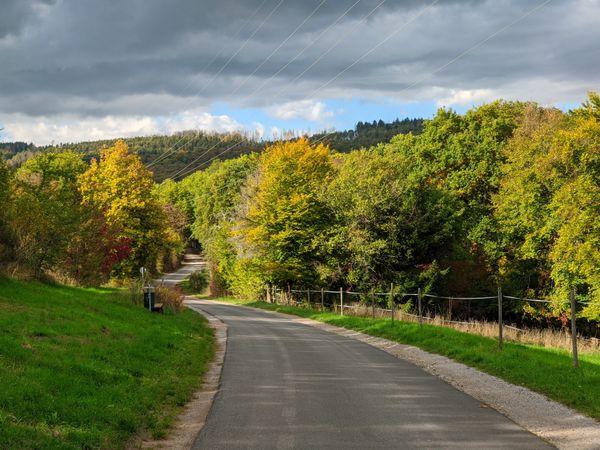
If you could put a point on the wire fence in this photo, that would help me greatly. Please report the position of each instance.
(454, 311)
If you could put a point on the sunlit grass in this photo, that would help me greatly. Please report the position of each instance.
(84, 368)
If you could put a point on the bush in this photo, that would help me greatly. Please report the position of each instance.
(199, 280)
(171, 298)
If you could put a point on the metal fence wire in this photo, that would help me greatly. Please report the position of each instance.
(422, 308)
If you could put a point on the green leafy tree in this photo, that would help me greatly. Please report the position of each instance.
(5, 204)
(391, 225)
(217, 193)
(46, 209)
(548, 204)
(463, 155)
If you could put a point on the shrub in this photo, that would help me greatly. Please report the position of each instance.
(199, 280)
(136, 292)
(171, 298)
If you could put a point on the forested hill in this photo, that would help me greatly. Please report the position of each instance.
(190, 150)
(366, 135)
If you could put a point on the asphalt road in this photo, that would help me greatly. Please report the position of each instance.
(190, 264)
(287, 385)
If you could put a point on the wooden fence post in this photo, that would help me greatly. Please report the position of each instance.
(373, 303)
(392, 300)
(341, 302)
(322, 300)
(500, 319)
(574, 327)
(308, 296)
(420, 306)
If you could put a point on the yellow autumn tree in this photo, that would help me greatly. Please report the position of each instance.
(282, 215)
(122, 188)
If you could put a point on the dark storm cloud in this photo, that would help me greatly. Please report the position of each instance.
(94, 58)
(15, 14)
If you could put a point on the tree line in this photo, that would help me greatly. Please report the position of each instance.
(507, 194)
(85, 223)
(188, 149)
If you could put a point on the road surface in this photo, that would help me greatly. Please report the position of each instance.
(191, 263)
(287, 385)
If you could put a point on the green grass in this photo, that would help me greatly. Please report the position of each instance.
(84, 368)
(543, 370)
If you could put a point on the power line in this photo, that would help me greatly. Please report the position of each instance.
(223, 67)
(453, 60)
(279, 46)
(369, 14)
(372, 49)
(459, 56)
(197, 159)
(259, 66)
(183, 172)
(301, 52)
(289, 62)
(343, 37)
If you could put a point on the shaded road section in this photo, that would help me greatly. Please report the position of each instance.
(190, 264)
(288, 385)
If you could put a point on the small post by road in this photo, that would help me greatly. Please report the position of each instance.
(392, 300)
(322, 300)
(420, 306)
(574, 327)
(373, 302)
(341, 302)
(289, 295)
(308, 296)
(500, 319)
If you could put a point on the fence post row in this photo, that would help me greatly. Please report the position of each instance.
(392, 300)
(574, 327)
(500, 320)
(420, 306)
(272, 291)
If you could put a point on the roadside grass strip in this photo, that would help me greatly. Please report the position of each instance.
(85, 368)
(544, 370)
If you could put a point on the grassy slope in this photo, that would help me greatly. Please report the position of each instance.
(547, 371)
(84, 368)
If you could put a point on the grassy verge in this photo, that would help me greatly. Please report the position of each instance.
(84, 368)
(544, 370)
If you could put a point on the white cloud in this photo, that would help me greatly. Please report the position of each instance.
(302, 109)
(464, 97)
(46, 130)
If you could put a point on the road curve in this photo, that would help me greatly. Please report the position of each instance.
(287, 385)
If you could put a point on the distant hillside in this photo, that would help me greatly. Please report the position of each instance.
(191, 150)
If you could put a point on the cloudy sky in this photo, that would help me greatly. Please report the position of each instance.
(74, 70)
